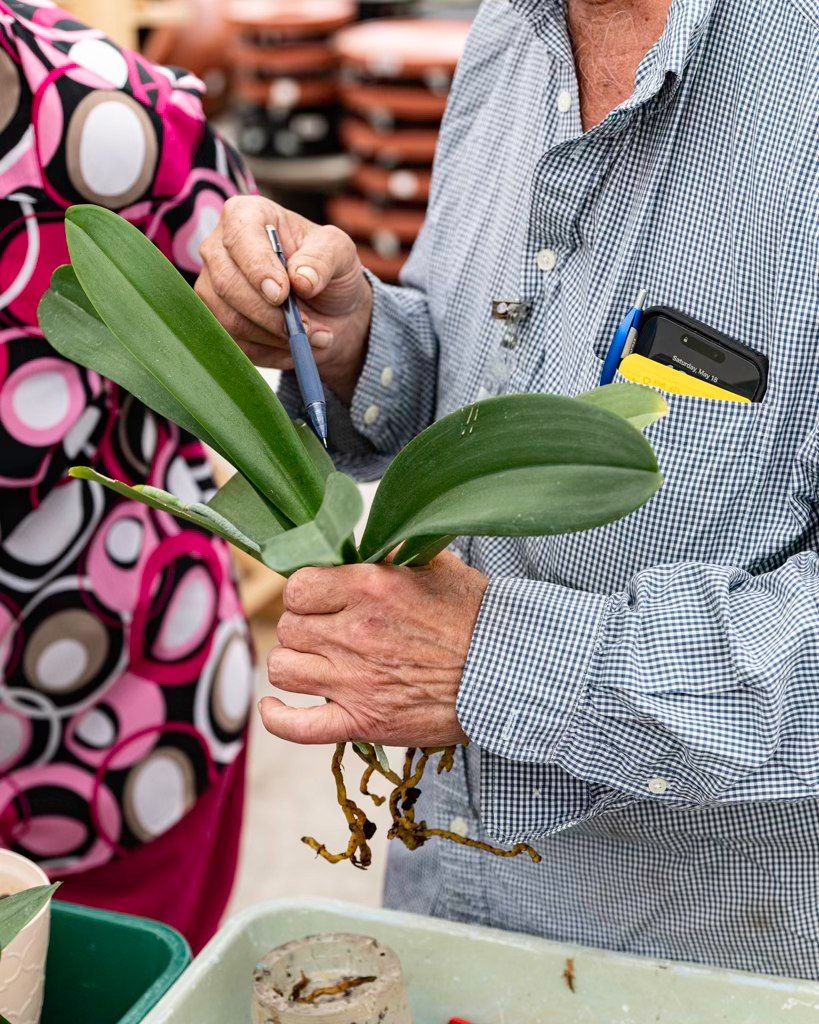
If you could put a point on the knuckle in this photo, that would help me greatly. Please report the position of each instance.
(273, 663)
(221, 278)
(376, 584)
(286, 629)
(299, 588)
(234, 323)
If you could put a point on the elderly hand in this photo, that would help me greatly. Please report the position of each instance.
(385, 645)
(244, 284)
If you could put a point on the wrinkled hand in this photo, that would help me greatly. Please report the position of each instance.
(385, 645)
(244, 283)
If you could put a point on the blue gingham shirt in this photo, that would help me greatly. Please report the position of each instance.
(643, 699)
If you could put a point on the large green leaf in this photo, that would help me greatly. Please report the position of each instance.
(322, 541)
(159, 319)
(75, 330)
(518, 465)
(640, 405)
(21, 907)
(206, 516)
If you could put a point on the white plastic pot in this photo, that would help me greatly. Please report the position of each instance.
(309, 965)
(22, 962)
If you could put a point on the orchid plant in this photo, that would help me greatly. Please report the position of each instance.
(516, 465)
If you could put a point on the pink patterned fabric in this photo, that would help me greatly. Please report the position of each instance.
(125, 669)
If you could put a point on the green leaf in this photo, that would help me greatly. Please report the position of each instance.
(205, 516)
(155, 315)
(241, 504)
(421, 550)
(74, 329)
(518, 465)
(322, 541)
(640, 405)
(17, 910)
(315, 449)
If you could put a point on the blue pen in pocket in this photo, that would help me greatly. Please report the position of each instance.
(624, 338)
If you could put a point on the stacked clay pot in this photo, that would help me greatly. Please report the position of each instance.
(285, 81)
(394, 81)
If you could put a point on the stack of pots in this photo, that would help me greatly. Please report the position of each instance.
(285, 86)
(395, 77)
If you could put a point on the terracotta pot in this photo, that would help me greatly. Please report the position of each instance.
(415, 49)
(298, 969)
(277, 20)
(22, 964)
(390, 148)
(399, 185)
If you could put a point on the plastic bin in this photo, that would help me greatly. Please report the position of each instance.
(107, 968)
(486, 976)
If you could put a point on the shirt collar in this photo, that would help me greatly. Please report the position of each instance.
(687, 19)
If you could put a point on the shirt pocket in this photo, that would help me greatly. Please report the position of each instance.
(711, 454)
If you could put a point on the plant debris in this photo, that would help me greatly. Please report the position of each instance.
(402, 799)
(340, 988)
(568, 973)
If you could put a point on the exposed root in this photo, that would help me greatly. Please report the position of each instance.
(402, 800)
(340, 988)
(376, 798)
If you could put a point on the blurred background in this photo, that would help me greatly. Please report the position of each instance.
(335, 105)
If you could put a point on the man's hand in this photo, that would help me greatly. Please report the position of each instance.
(243, 283)
(385, 645)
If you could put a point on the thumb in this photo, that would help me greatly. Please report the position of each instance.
(326, 254)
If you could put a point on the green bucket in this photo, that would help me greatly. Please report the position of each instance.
(107, 968)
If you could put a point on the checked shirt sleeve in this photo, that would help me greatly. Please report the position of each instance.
(697, 684)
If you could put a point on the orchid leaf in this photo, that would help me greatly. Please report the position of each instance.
(154, 313)
(322, 541)
(315, 449)
(518, 465)
(241, 504)
(206, 516)
(640, 405)
(17, 910)
(73, 327)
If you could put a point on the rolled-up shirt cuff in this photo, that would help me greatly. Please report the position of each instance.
(377, 411)
(527, 668)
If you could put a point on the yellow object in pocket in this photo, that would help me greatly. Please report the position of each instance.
(640, 370)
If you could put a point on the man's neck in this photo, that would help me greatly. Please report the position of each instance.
(609, 39)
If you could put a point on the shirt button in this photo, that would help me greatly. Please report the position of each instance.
(386, 377)
(546, 260)
(371, 414)
(460, 826)
(564, 101)
(657, 785)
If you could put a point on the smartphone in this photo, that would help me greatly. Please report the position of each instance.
(677, 340)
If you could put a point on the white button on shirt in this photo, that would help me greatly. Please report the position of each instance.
(546, 260)
(386, 377)
(564, 101)
(371, 414)
(657, 785)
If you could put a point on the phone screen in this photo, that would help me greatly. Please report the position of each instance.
(685, 348)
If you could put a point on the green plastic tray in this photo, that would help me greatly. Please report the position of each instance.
(486, 976)
(107, 968)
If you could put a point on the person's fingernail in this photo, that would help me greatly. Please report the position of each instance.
(321, 339)
(271, 290)
(309, 275)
